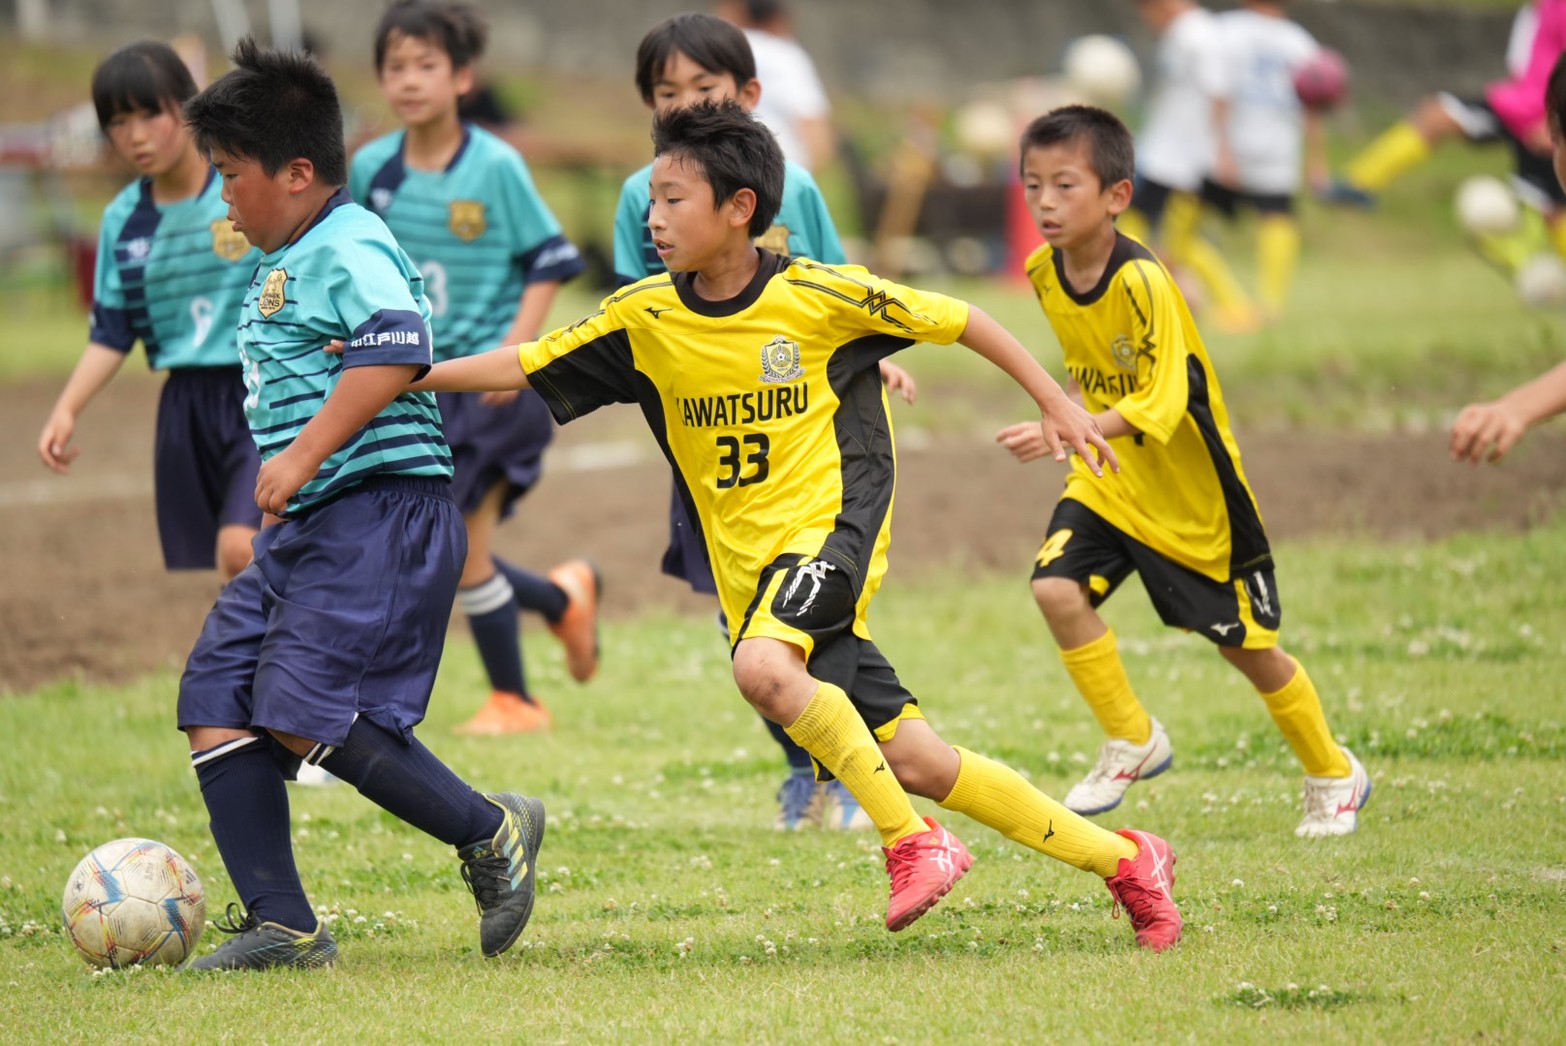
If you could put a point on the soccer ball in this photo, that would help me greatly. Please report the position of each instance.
(1102, 69)
(1485, 206)
(1321, 81)
(134, 901)
(1541, 282)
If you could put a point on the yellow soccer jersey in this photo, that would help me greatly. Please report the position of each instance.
(1131, 345)
(769, 405)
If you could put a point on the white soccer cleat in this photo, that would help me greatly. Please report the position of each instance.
(1332, 804)
(1120, 764)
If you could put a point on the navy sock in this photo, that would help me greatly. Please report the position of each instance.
(492, 618)
(798, 758)
(408, 781)
(534, 592)
(248, 806)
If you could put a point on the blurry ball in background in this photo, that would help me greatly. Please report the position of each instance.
(1321, 81)
(1541, 282)
(985, 128)
(1486, 206)
(1102, 69)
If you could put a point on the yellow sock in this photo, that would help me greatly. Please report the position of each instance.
(831, 731)
(1277, 251)
(996, 795)
(1101, 677)
(1394, 151)
(1297, 710)
(1186, 246)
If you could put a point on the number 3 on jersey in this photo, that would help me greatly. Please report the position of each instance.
(734, 472)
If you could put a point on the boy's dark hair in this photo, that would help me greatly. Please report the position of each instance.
(455, 28)
(735, 150)
(273, 107)
(1110, 149)
(715, 45)
(1555, 98)
(141, 76)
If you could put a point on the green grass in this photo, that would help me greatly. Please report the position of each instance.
(669, 910)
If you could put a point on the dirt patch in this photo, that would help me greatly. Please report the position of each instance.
(83, 593)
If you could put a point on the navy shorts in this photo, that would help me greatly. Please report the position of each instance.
(342, 613)
(1151, 198)
(204, 464)
(686, 556)
(494, 445)
(1083, 546)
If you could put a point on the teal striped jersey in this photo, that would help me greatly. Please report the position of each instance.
(171, 277)
(802, 229)
(344, 279)
(478, 231)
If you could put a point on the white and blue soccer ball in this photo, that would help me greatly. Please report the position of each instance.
(134, 901)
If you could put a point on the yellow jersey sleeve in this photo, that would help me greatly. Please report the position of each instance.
(1157, 333)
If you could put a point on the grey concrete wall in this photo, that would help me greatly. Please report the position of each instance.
(884, 49)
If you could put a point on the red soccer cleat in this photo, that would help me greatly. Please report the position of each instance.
(923, 867)
(1144, 887)
(577, 630)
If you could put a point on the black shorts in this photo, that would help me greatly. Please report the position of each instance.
(814, 604)
(1084, 547)
(1151, 198)
(1227, 201)
(1479, 123)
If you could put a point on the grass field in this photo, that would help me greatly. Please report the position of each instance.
(669, 911)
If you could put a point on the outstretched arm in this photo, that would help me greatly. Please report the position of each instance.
(1490, 430)
(1065, 424)
(494, 371)
(98, 364)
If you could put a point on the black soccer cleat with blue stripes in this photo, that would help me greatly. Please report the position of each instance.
(263, 946)
(501, 873)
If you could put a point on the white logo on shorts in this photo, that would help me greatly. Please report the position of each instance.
(816, 572)
(1224, 629)
(1261, 599)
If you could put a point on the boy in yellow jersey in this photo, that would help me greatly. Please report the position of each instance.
(1179, 511)
(757, 375)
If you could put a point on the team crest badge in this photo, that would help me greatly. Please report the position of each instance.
(467, 220)
(1123, 352)
(227, 243)
(138, 249)
(774, 239)
(780, 361)
(272, 293)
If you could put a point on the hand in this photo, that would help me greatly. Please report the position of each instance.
(335, 347)
(898, 381)
(1072, 428)
(280, 478)
(1025, 440)
(54, 443)
(499, 399)
(1486, 431)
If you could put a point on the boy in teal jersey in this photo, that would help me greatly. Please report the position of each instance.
(462, 203)
(686, 59)
(756, 375)
(325, 648)
(170, 274)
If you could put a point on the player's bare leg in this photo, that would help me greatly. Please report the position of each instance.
(486, 597)
(233, 549)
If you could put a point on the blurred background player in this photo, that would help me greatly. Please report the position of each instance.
(462, 203)
(1510, 111)
(1489, 431)
(326, 647)
(795, 104)
(1179, 511)
(1184, 139)
(683, 60)
(171, 273)
(1272, 138)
